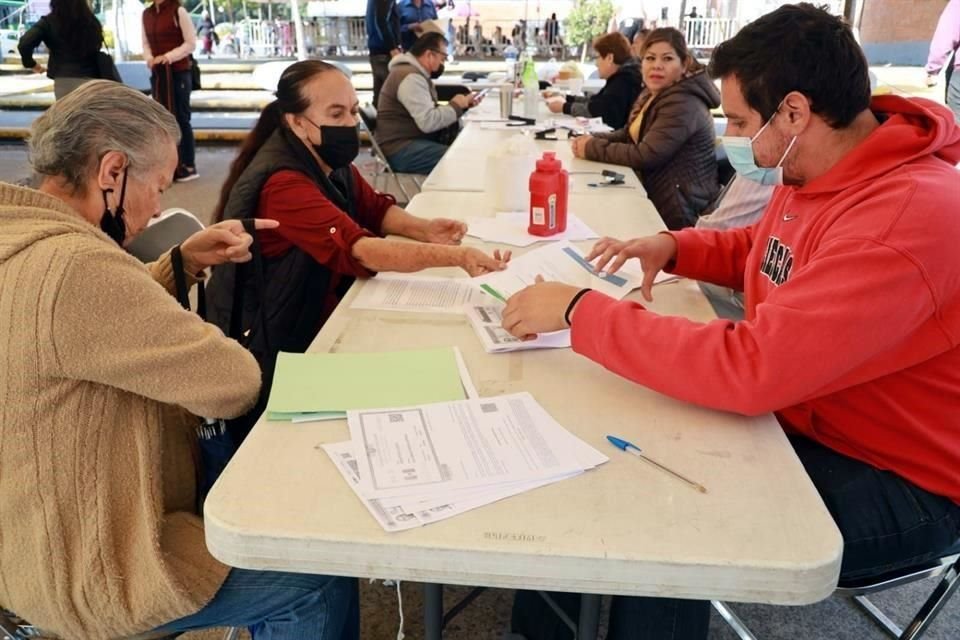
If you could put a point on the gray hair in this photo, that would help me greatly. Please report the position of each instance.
(70, 139)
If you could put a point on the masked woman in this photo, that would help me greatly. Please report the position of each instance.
(296, 167)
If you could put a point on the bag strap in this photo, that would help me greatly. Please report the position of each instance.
(180, 284)
(239, 290)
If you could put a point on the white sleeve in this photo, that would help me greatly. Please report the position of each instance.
(414, 94)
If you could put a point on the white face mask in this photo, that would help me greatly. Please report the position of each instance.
(740, 154)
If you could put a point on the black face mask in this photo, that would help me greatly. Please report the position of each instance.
(340, 147)
(439, 72)
(113, 224)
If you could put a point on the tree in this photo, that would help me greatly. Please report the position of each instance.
(587, 20)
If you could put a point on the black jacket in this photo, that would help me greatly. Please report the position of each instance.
(614, 101)
(65, 60)
(675, 157)
(295, 285)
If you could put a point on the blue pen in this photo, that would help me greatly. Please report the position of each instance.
(631, 448)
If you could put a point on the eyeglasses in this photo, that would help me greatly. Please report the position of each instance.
(440, 53)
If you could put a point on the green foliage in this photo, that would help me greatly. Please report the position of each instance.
(587, 20)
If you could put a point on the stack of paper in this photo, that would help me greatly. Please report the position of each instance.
(511, 228)
(486, 321)
(324, 386)
(396, 292)
(420, 464)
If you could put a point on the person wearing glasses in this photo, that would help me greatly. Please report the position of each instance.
(412, 128)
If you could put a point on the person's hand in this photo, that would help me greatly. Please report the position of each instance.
(555, 106)
(222, 242)
(579, 146)
(461, 101)
(416, 27)
(476, 98)
(538, 309)
(477, 263)
(445, 231)
(394, 53)
(932, 79)
(39, 68)
(654, 253)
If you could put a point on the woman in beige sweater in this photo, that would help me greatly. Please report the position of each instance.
(102, 374)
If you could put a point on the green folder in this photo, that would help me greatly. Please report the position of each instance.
(334, 383)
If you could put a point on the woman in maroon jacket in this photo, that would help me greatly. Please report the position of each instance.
(168, 42)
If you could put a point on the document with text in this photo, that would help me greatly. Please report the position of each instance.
(396, 292)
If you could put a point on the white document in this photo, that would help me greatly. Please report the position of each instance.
(406, 512)
(395, 292)
(442, 448)
(511, 228)
(561, 262)
(486, 321)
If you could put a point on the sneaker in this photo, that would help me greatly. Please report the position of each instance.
(185, 174)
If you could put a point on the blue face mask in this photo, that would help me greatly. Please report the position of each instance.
(740, 154)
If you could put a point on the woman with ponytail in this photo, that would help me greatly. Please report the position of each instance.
(296, 167)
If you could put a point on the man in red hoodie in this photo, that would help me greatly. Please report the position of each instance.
(852, 285)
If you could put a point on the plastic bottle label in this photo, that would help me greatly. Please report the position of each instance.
(538, 215)
(552, 204)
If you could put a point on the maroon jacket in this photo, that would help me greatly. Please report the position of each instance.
(161, 30)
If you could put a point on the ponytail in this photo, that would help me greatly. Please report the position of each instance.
(291, 98)
(270, 120)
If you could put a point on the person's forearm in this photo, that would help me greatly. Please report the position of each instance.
(400, 223)
(378, 254)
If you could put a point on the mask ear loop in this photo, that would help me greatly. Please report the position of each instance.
(789, 146)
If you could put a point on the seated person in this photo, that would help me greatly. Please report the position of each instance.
(852, 298)
(102, 371)
(670, 139)
(740, 204)
(621, 70)
(411, 126)
(296, 167)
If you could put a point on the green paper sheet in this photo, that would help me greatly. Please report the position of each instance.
(328, 382)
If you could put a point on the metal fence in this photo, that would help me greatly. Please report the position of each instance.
(707, 33)
(348, 36)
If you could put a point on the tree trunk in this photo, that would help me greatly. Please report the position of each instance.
(298, 29)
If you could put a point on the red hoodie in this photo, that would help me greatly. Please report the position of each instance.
(852, 328)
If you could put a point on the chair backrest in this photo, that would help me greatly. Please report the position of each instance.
(368, 113)
(447, 91)
(164, 232)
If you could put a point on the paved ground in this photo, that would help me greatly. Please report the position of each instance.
(488, 618)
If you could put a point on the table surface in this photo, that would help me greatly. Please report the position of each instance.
(761, 533)
(464, 166)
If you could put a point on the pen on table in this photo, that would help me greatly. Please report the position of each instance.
(631, 448)
(496, 294)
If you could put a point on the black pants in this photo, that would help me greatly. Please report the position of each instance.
(886, 523)
(172, 90)
(379, 66)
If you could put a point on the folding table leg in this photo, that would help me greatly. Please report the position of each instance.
(433, 611)
(589, 625)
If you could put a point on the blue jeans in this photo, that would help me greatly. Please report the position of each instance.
(726, 303)
(419, 156)
(886, 522)
(280, 606)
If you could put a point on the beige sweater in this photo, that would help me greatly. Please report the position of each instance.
(98, 538)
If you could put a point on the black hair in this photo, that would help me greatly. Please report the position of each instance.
(76, 24)
(430, 41)
(291, 98)
(798, 48)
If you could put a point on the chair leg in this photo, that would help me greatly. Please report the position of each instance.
(232, 633)
(733, 620)
(878, 616)
(941, 594)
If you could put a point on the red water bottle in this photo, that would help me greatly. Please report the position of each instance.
(549, 185)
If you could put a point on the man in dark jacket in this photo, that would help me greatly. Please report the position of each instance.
(383, 39)
(615, 64)
(413, 13)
